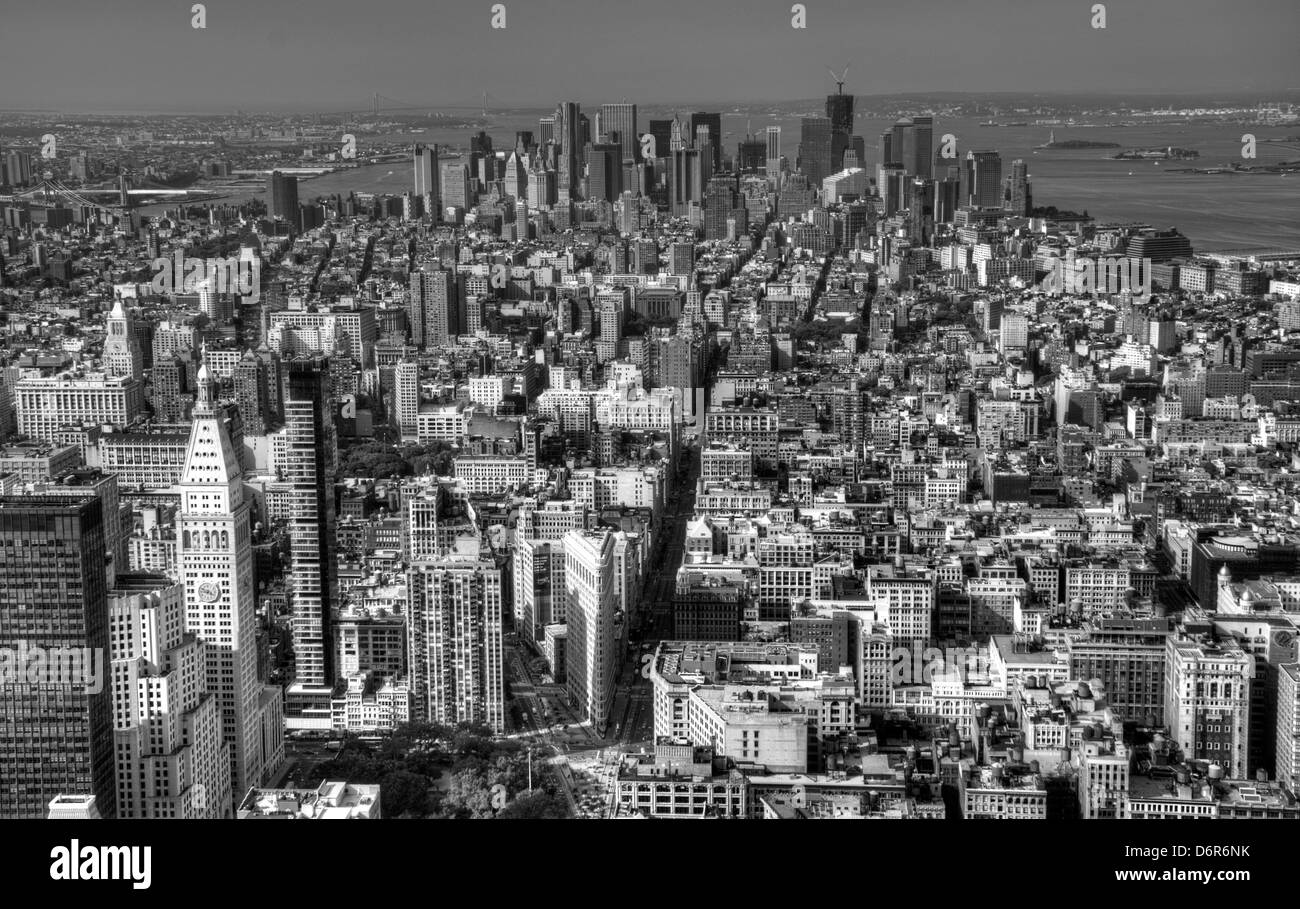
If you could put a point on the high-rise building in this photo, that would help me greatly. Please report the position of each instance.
(455, 188)
(216, 566)
(569, 141)
(773, 151)
(687, 183)
(1018, 191)
(454, 639)
(427, 173)
(921, 161)
(250, 394)
(172, 761)
(122, 354)
(983, 179)
(662, 130)
(407, 398)
(591, 658)
(307, 469)
(719, 203)
(1207, 700)
(432, 307)
(714, 124)
(620, 119)
(282, 198)
(46, 405)
(1287, 752)
(839, 110)
(815, 149)
(56, 713)
(604, 172)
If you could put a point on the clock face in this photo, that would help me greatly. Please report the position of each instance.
(208, 591)
(1284, 639)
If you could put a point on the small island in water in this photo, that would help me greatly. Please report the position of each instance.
(1075, 143)
(1168, 153)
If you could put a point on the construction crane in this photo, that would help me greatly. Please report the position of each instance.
(839, 80)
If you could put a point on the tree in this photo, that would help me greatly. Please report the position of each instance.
(535, 805)
(402, 793)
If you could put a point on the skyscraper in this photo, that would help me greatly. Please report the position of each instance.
(719, 202)
(983, 179)
(773, 150)
(921, 162)
(427, 173)
(282, 198)
(172, 761)
(839, 110)
(589, 613)
(56, 719)
(250, 394)
(1018, 201)
(815, 149)
(455, 188)
(432, 307)
(122, 354)
(714, 124)
(216, 566)
(604, 172)
(620, 118)
(687, 184)
(454, 638)
(307, 468)
(568, 136)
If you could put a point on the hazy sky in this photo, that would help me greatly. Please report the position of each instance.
(332, 55)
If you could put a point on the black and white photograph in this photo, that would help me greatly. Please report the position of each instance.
(548, 410)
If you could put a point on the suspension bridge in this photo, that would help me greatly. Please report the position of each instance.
(382, 104)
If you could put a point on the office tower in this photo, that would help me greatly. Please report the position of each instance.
(282, 198)
(681, 257)
(591, 658)
(516, 178)
(172, 761)
(216, 564)
(890, 181)
(662, 130)
(307, 468)
(524, 142)
(427, 172)
(454, 638)
(620, 118)
(751, 155)
(983, 179)
(250, 394)
(604, 172)
(431, 306)
(1207, 700)
(46, 405)
(407, 398)
(538, 586)
(714, 124)
(541, 188)
(888, 153)
(773, 151)
(719, 202)
(456, 191)
(1018, 191)
(815, 149)
(687, 185)
(56, 714)
(1287, 753)
(920, 144)
(568, 138)
(839, 110)
(122, 355)
(545, 131)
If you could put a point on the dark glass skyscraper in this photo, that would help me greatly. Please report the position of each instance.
(815, 149)
(282, 198)
(56, 714)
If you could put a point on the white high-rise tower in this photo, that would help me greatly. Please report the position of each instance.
(122, 356)
(216, 561)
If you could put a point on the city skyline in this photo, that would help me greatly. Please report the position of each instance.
(1141, 49)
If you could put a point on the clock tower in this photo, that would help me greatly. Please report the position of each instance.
(216, 563)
